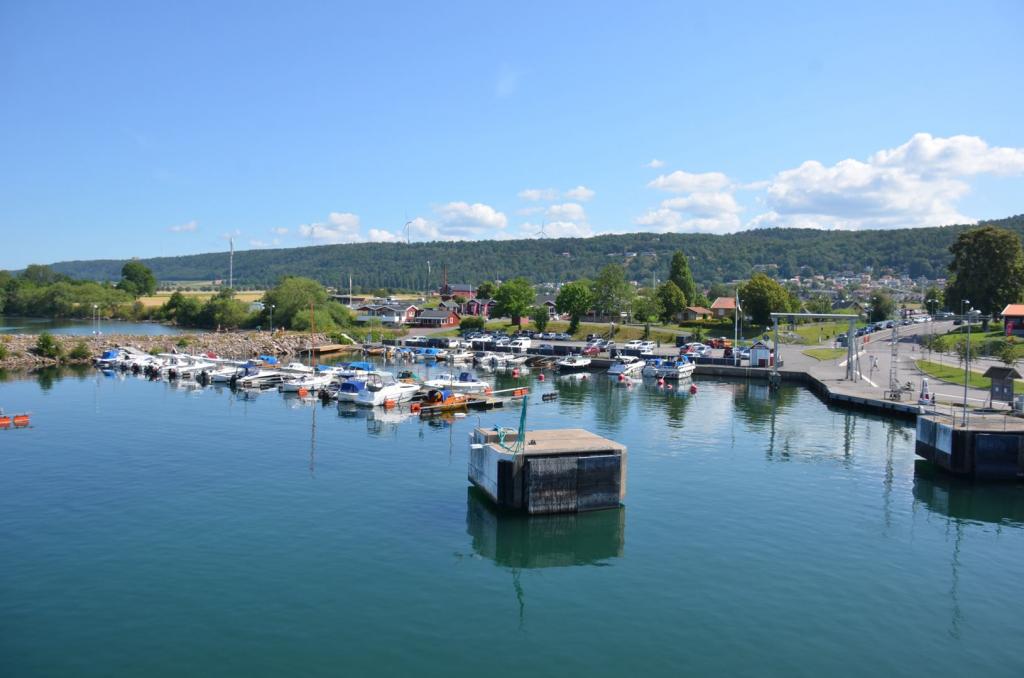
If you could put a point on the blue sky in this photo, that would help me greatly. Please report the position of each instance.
(146, 129)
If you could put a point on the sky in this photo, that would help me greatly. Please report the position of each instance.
(153, 129)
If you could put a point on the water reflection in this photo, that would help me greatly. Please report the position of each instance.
(963, 500)
(520, 541)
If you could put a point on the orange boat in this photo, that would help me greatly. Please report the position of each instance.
(440, 400)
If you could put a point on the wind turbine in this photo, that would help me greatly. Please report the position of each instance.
(541, 233)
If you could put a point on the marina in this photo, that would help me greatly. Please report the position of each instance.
(767, 501)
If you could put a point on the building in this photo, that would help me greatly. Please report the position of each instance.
(1002, 378)
(479, 307)
(760, 355)
(1013, 319)
(456, 290)
(438, 317)
(692, 313)
(388, 314)
(724, 307)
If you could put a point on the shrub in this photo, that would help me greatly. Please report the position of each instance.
(183, 342)
(48, 347)
(3, 351)
(472, 322)
(79, 352)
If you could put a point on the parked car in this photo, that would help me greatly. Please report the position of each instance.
(633, 344)
(647, 346)
(591, 349)
(592, 337)
(546, 348)
(520, 344)
(415, 340)
(502, 341)
(562, 336)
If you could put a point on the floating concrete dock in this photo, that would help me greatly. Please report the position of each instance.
(987, 447)
(553, 471)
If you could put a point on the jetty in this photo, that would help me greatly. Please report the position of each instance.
(980, 445)
(548, 471)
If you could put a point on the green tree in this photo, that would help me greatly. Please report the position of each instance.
(514, 299)
(934, 300)
(612, 292)
(471, 323)
(38, 274)
(882, 306)
(137, 280)
(647, 307)
(673, 301)
(486, 290)
(540, 316)
(987, 269)
(761, 296)
(1008, 354)
(48, 347)
(679, 273)
(291, 299)
(223, 311)
(575, 299)
(819, 304)
(721, 290)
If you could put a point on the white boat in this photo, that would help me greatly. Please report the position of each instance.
(382, 387)
(460, 356)
(626, 366)
(297, 368)
(676, 369)
(309, 382)
(463, 383)
(573, 363)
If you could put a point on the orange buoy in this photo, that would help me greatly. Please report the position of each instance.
(21, 420)
(5, 422)
(388, 404)
(303, 392)
(414, 408)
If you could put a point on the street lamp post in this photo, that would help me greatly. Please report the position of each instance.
(96, 312)
(931, 324)
(272, 316)
(967, 355)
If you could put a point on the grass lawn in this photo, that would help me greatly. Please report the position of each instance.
(954, 374)
(160, 298)
(825, 353)
(811, 333)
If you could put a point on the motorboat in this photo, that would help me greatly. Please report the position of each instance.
(626, 366)
(465, 382)
(442, 400)
(382, 388)
(573, 363)
(349, 390)
(460, 356)
(676, 369)
(430, 353)
(308, 382)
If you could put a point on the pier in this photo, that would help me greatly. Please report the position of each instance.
(549, 471)
(987, 446)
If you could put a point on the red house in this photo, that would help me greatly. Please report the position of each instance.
(1013, 319)
(439, 317)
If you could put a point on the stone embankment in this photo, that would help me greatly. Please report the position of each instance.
(241, 345)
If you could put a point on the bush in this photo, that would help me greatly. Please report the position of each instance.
(79, 352)
(3, 351)
(472, 323)
(183, 342)
(48, 347)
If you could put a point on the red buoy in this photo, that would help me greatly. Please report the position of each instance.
(540, 377)
(693, 388)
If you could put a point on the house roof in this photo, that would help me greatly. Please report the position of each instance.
(724, 302)
(699, 310)
(436, 314)
(1001, 373)
(1013, 309)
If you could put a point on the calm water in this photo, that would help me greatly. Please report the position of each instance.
(10, 324)
(147, 530)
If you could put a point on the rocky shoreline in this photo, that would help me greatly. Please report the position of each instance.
(240, 345)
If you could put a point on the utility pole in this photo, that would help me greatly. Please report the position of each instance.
(231, 263)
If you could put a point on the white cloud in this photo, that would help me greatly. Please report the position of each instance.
(462, 219)
(918, 183)
(528, 211)
(655, 164)
(569, 211)
(280, 231)
(228, 235)
(379, 235)
(685, 182)
(340, 227)
(187, 227)
(538, 194)
(580, 193)
(262, 244)
(954, 156)
(566, 220)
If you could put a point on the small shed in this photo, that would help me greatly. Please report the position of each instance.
(1002, 383)
(760, 355)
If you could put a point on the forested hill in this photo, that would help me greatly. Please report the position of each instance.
(919, 251)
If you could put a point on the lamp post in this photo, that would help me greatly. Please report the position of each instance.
(967, 355)
(96, 312)
(272, 316)
(931, 323)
